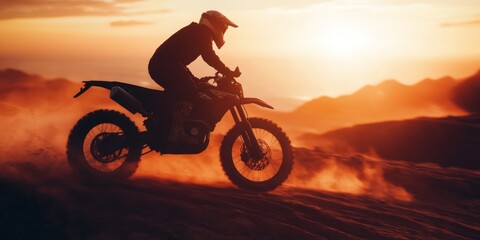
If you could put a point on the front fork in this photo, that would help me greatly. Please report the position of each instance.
(249, 138)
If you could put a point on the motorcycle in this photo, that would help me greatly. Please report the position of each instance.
(255, 154)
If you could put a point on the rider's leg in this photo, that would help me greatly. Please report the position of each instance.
(177, 132)
(177, 80)
(184, 90)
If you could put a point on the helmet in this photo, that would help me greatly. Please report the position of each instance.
(218, 24)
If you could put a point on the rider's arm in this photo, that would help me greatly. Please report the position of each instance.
(208, 54)
(213, 60)
(193, 77)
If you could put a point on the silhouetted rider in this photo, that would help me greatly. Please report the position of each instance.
(168, 65)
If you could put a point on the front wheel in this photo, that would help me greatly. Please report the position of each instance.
(262, 174)
(99, 146)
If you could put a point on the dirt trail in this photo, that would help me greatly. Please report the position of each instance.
(46, 201)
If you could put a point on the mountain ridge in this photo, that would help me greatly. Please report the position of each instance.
(387, 100)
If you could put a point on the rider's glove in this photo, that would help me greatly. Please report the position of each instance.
(231, 73)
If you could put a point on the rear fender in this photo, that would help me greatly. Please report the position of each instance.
(95, 83)
(117, 94)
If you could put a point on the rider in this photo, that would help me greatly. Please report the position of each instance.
(168, 65)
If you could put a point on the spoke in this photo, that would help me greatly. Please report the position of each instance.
(266, 175)
(92, 134)
(262, 133)
(108, 128)
(273, 171)
(275, 145)
(275, 142)
(262, 176)
(248, 172)
(256, 132)
(237, 162)
(271, 139)
(275, 165)
(113, 129)
(267, 140)
(244, 169)
(116, 129)
(89, 135)
(251, 174)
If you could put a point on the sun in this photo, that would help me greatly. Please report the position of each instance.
(345, 41)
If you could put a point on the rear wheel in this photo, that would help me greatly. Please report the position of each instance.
(97, 145)
(258, 174)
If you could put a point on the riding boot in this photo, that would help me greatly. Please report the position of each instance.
(177, 132)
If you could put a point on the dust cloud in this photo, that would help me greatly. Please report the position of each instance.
(40, 113)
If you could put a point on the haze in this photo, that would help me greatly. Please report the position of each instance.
(288, 51)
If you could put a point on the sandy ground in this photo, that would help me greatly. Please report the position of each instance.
(44, 201)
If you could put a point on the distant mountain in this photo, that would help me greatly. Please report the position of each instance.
(449, 141)
(388, 100)
(467, 93)
(21, 90)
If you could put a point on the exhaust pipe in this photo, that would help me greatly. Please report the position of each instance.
(126, 100)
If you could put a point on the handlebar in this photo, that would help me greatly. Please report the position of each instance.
(205, 79)
(218, 76)
(236, 73)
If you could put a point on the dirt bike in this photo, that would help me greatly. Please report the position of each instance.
(255, 154)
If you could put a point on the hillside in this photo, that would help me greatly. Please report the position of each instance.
(466, 94)
(449, 141)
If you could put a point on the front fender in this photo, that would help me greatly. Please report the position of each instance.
(255, 101)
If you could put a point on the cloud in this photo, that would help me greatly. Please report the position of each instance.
(56, 8)
(129, 23)
(462, 24)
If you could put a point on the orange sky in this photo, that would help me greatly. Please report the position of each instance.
(288, 51)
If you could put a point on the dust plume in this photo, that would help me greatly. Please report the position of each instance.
(347, 173)
(38, 114)
(41, 112)
(201, 168)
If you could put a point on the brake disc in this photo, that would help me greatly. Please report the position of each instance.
(103, 147)
(262, 162)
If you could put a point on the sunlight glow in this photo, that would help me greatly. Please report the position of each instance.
(328, 47)
(345, 41)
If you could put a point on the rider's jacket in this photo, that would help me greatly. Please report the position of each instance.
(186, 45)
